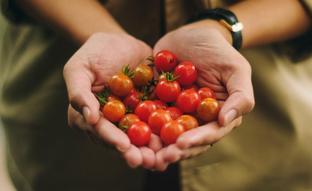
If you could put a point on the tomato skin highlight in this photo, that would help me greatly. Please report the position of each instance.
(142, 75)
(206, 93)
(144, 110)
(174, 112)
(168, 91)
(188, 101)
(133, 99)
(186, 73)
(120, 85)
(188, 122)
(170, 132)
(139, 133)
(127, 121)
(158, 119)
(160, 105)
(208, 109)
(165, 61)
(114, 110)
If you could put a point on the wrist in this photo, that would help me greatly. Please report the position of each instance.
(213, 24)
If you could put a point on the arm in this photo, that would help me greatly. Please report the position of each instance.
(106, 48)
(265, 21)
(78, 19)
(208, 45)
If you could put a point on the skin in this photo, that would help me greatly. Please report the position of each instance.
(226, 71)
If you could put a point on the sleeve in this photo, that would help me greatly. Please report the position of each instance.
(13, 12)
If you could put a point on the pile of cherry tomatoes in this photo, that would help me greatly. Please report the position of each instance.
(159, 96)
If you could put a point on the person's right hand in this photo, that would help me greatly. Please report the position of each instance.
(88, 71)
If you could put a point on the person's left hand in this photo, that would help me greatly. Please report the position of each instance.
(221, 68)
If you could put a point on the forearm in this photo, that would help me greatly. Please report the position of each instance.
(78, 19)
(267, 21)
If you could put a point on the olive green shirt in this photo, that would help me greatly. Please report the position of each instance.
(270, 151)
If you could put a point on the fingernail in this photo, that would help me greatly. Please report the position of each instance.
(86, 112)
(121, 149)
(230, 116)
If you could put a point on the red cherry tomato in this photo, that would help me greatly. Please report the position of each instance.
(188, 122)
(186, 73)
(168, 91)
(175, 112)
(142, 74)
(114, 110)
(208, 109)
(160, 105)
(165, 61)
(144, 110)
(120, 85)
(127, 121)
(193, 86)
(170, 132)
(158, 119)
(139, 133)
(133, 99)
(206, 93)
(188, 101)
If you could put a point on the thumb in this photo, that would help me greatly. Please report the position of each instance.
(79, 79)
(241, 97)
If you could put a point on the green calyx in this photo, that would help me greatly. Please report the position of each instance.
(127, 71)
(170, 77)
(102, 96)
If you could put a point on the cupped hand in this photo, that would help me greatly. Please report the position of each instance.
(88, 71)
(221, 68)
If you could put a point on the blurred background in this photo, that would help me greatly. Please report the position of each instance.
(5, 183)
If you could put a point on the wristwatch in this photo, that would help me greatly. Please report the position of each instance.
(228, 19)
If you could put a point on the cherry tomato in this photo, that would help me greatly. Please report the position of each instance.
(165, 61)
(120, 85)
(139, 133)
(170, 132)
(114, 110)
(193, 86)
(142, 74)
(168, 91)
(133, 99)
(112, 97)
(158, 119)
(188, 122)
(127, 121)
(206, 93)
(186, 73)
(208, 109)
(144, 110)
(162, 77)
(160, 105)
(188, 101)
(175, 112)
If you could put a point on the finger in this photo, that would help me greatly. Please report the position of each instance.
(172, 153)
(149, 157)
(206, 134)
(155, 143)
(112, 135)
(78, 79)
(161, 164)
(241, 97)
(76, 120)
(133, 157)
(194, 151)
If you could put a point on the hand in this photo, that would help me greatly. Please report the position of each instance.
(87, 71)
(221, 68)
